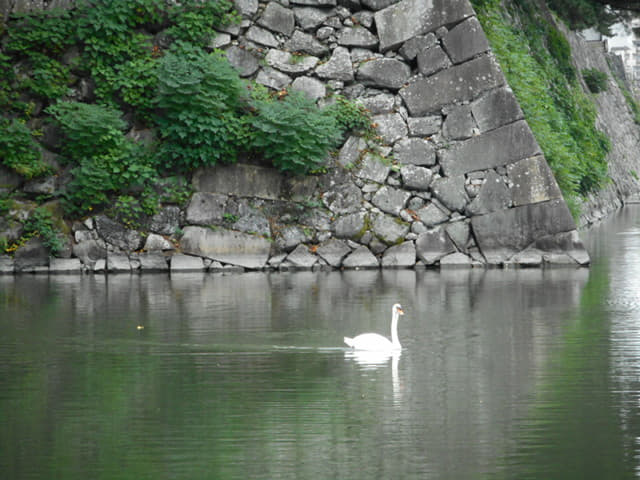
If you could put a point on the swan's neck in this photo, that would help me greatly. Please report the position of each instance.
(394, 330)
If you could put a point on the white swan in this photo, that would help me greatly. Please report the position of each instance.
(375, 342)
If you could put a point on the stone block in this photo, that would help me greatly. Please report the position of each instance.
(377, 104)
(166, 221)
(117, 234)
(451, 192)
(389, 229)
(415, 45)
(502, 233)
(459, 233)
(312, 88)
(384, 73)
(186, 263)
(343, 198)
(32, 254)
(377, 4)
(495, 109)
(261, 36)
(272, 78)
(360, 258)
(226, 246)
(391, 127)
(245, 63)
(290, 64)
(431, 215)
(157, 243)
(432, 60)
(246, 8)
(350, 152)
(415, 177)
(338, 67)
(315, 3)
(90, 251)
(357, 37)
(458, 84)
(118, 263)
(240, 180)
(6, 265)
(424, 126)
(65, 265)
(533, 181)
(499, 147)
(465, 41)
(333, 252)
(493, 195)
(400, 256)
(408, 18)
(373, 168)
(153, 262)
(391, 200)
(349, 226)
(206, 208)
(459, 123)
(277, 18)
(288, 237)
(310, 18)
(306, 43)
(301, 258)
(432, 245)
(456, 260)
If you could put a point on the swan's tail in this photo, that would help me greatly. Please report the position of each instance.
(349, 341)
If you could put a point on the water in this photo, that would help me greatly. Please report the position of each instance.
(504, 374)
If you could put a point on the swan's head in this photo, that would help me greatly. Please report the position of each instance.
(397, 309)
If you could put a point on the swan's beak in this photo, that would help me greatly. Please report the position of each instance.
(400, 311)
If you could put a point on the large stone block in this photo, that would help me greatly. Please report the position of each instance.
(245, 63)
(451, 192)
(290, 64)
(495, 109)
(338, 67)
(361, 257)
(432, 60)
(458, 84)
(390, 127)
(357, 37)
(384, 73)
(65, 265)
(493, 195)
(240, 180)
(465, 41)
(414, 151)
(206, 208)
(400, 256)
(350, 226)
(391, 200)
(499, 147)
(277, 19)
(333, 251)
(533, 181)
(226, 246)
(502, 233)
(404, 20)
(432, 245)
(389, 229)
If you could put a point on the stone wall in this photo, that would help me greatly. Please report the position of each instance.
(455, 178)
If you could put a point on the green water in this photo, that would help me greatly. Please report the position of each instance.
(504, 373)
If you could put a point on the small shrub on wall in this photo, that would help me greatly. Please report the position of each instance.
(595, 79)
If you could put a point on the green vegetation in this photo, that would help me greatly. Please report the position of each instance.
(595, 79)
(534, 57)
(146, 64)
(41, 224)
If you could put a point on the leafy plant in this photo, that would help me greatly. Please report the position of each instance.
(352, 116)
(293, 133)
(18, 149)
(200, 99)
(596, 80)
(195, 19)
(46, 32)
(41, 224)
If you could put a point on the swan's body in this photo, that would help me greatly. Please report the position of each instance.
(375, 342)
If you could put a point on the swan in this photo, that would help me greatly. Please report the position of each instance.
(375, 342)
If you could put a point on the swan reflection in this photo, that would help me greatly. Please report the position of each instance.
(372, 360)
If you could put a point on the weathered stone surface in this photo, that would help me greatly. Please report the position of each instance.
(431, 215)
(288, 237)
(373, 168)
(44, 186)
(315, 3)
(501, 234)
(389, 229)
(117, 234)
(186, 263)
(566, 243)
(306, 43)
(532, 181)
(153, 262)
(226, 246)
(377, 104)
(384, 73)
(309, 18)
(221, 40)
(357, 37)
(157, 243)
(350, 226)
(277, 18)
(432, 60)
(465, 41)
(408, 18)
(166, 221)
(64, 265)
(416, 178)
(206, 208)
(390, 200)
(247, 8)
(333, 252)
(6, 265)
(301, 257)
(361, 258)
(412, 47)
(285, 62)
(338, 67)
(493, 195)
(261, 36)
(378, 4)
(432, 245)
(424, 126)
(451, 192)
(9, 180)
(455, 85)
(245, 63)
(496, 148)
(118, 263)
(495, 109)
(240, 180)
(390, 127)
(350, 152)
(272, 78)
(254, 222)
(343, 198)
(90, 251)
(456, 260)
(459, 233)
(400, 256)
(313, 88)
(459, 123)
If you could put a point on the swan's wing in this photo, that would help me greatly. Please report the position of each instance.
(370, 341)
